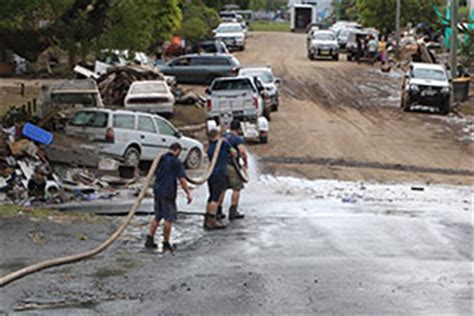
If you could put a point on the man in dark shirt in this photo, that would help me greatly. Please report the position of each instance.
(170, 170)
(234, 181)
(217, 182)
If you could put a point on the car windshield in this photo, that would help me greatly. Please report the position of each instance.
(265, 75)
(324, 36)
(243, 84)
(229, 29)
(149, 87)
(84, 99)
(90, 119)
(430, 74)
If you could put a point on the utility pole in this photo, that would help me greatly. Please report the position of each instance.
(454, 37)
(397, 28)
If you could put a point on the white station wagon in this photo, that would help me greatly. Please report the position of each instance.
(134, 136)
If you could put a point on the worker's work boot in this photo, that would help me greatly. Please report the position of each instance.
(220, 215)
(234, 213)
(211, 223)
(167, 247)
(150, 242)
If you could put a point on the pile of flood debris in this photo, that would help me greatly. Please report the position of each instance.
(41, 168)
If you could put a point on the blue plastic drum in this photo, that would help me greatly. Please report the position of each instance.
(37, 134)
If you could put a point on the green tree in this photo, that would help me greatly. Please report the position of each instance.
(198, 21)
(381, 13)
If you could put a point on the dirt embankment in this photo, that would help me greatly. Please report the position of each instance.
(340, 120)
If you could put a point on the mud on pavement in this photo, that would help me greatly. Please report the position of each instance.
(345, 111)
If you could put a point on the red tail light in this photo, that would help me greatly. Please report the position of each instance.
(209, 105)
(255, 102)
(110, 135)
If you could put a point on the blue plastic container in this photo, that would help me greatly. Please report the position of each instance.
(37, 134)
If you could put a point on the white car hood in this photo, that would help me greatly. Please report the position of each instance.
(189, 143)
(224, 35)
(431, 83)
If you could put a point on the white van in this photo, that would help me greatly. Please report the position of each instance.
(134, 136)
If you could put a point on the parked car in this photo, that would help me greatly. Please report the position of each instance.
(211, 47)
(427, 85)
(239, 98)
(343, 36)
(201, 68)
(323, 44)
(232, 34)
(270, 82)
(134, 136)
(150, 96)
(68, 95)
(113, 57)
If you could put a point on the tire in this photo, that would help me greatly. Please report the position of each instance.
(349, 57)
(194, 158)
(445, 109)
(263, 139)
(131, 156)
(335, 57)
(242, 48)
(406, 105)
(267, 113)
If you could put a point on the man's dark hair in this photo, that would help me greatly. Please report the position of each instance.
(176, 146)
(235, 125)
(213, 133)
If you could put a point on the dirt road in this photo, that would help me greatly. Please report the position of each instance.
(340, 120)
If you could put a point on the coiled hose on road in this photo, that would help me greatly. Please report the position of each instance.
(92, 252)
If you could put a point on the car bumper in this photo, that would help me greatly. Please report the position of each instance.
(163, 108)
(436, 100)
(323, 52)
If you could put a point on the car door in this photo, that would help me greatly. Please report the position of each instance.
(167, 133)
(149, 138)
(180, 68)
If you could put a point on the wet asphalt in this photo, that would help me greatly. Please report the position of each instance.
(305, 247)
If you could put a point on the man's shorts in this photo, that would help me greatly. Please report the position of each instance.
(165, 209)
(235, 182)
(217, 185)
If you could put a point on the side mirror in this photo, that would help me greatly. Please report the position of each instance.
(208, 91)
(178, 135)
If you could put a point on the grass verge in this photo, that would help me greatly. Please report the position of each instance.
(11, 210)
(270, 26)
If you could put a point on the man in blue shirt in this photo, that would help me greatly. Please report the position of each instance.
(170, 170)
(217, 182)
(234, 180)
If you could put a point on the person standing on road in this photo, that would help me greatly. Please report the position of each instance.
(382, 50)
(372, 47)
(170, 170)
(236, 184)
(217, 182)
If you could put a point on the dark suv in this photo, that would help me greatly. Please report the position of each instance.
(201, 68)
(211, 47)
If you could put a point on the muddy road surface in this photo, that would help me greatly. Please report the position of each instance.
(340, 120)
(305, 247)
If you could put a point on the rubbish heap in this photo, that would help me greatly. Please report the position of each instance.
(36, 169)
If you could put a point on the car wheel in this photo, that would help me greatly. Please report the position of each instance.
(131, 156)
(267, 113)
(445, 108)
(406, 105)
(193, 161)
(349, 57)
(335, 57)
(264, 139)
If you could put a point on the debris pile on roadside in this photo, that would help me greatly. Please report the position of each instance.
(39, 168)
(114, 85)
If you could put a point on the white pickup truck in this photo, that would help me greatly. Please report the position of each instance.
(242, 98)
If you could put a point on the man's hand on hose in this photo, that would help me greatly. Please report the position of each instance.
(189, 197)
